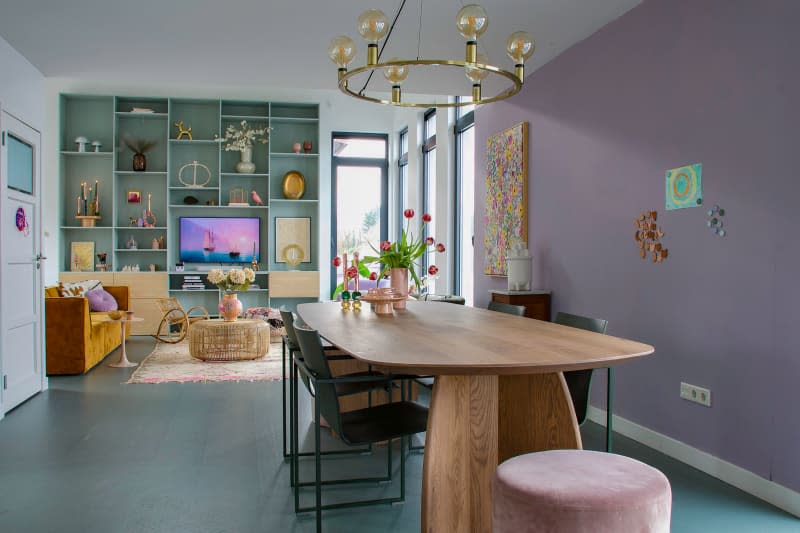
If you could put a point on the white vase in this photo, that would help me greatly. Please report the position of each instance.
(246, 165)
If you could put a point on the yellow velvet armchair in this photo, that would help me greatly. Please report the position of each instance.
(77, 339)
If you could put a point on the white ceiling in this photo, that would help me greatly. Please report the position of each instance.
(279, 44)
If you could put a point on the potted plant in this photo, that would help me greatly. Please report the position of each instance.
(236, 279)
(240, 138)
(397, 259)
(139, 147)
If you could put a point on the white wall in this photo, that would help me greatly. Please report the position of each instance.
(337, 113)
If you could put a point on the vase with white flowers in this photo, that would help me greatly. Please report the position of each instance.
(235, 279)
(241, 138)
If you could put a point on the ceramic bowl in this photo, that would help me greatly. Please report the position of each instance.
(115, 315)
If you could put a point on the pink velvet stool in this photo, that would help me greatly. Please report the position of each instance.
(569, 491)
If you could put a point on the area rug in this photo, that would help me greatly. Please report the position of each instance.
(172, 363)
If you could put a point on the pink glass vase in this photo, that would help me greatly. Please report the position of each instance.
(230, 307)
(398, 278)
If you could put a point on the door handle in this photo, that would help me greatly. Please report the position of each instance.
(38, 259)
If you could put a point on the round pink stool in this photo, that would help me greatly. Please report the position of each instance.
(569, 491)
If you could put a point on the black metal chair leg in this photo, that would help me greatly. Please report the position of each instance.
(317, 468)
(283, 396)
(609, 409)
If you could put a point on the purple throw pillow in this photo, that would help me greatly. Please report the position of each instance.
(101, 300)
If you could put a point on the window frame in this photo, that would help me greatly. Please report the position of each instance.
(428, 145)
(402, 178)
(462, 124)
(337, 161)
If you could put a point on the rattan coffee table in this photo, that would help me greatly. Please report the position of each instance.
(218, 340)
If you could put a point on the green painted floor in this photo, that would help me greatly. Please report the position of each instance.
(95, 455)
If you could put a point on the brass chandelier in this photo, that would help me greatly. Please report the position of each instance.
(471, 22)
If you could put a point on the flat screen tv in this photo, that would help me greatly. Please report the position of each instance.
(219, 239)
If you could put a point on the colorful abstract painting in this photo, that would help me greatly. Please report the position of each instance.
(506, 214)
(684, 187)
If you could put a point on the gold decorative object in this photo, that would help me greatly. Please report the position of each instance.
(88, 208)
(294, 185)
(292, 254)
(471, 22)
(194, 184)
(183, 132)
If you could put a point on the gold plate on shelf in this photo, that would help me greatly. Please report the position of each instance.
(294, 185)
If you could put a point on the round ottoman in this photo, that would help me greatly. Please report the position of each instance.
(218, 340)
(576, 490)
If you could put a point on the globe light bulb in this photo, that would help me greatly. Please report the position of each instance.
(520, 46)
(372, 25)
(475, 74)
(342, 50)
(396, 74)
(472, 21)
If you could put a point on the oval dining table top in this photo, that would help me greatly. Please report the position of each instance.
(440, 339)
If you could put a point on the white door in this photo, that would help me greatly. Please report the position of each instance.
(21, 325)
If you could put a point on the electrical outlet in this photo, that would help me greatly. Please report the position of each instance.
(696, 394)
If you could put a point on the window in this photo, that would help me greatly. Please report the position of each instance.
(429, 186)
(464, 224)
(402, 178)
(359, 194)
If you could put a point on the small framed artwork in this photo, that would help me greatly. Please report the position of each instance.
(82, 256)
(134, 197)
(292, 240)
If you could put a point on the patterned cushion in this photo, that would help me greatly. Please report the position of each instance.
(101, 300)
(79, 288)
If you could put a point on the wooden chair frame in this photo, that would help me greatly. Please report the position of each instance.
(175, 320)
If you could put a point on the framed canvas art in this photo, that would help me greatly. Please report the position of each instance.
(82, 256)
(292, 240)
(506, 211)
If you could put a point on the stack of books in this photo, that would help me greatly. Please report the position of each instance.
(193, 282)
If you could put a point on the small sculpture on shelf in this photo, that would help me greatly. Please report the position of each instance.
(296, 147)
(88, 208)
(139, 147)
(254, 262)
(194, 184)
(102, 266)
(307, 146)
(148, 217)
(96, 146)
(131, 244)
(183, 132)
(81, 142)
(237, 197)
(256, 198)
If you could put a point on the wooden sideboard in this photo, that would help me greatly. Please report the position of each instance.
(537, 303)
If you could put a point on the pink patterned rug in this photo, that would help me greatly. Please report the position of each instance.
(172, 363)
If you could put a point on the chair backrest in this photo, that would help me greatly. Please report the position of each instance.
(288, 324)
(579, 381)
(169, 304)
(518, 310)
(315, 360)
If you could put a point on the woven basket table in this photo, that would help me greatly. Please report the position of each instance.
(217, 340)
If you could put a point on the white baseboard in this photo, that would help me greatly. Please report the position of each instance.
(769, 491)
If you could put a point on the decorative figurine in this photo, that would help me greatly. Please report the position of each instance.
(183, 132)
(131, 244)
(81, 142)
(96, 145)
(356, 292)
(307, 146)
(256, 198)
(194, 183)
(296, 147)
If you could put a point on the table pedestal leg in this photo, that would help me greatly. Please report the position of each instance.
(123, 357)
(460, 455)
(476, 422)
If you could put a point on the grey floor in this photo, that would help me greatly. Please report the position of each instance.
(95, 455)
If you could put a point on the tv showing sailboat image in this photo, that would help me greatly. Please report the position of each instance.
(219, 239)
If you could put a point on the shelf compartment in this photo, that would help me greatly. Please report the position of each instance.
(149, 130)
(260, 158)
(201, 115)
(125, 104)
(306, 166)
(244, 109)
(280, 110)
(88, 116)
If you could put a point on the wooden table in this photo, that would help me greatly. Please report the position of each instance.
(499, 390)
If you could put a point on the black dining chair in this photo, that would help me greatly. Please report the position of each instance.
(380, 423)
(518, 310)
(579, 381)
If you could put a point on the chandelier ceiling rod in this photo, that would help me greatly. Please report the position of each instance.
(386, 41)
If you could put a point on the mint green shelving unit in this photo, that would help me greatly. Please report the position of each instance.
(110, 119)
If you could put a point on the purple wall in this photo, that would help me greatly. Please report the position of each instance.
(674, 82)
